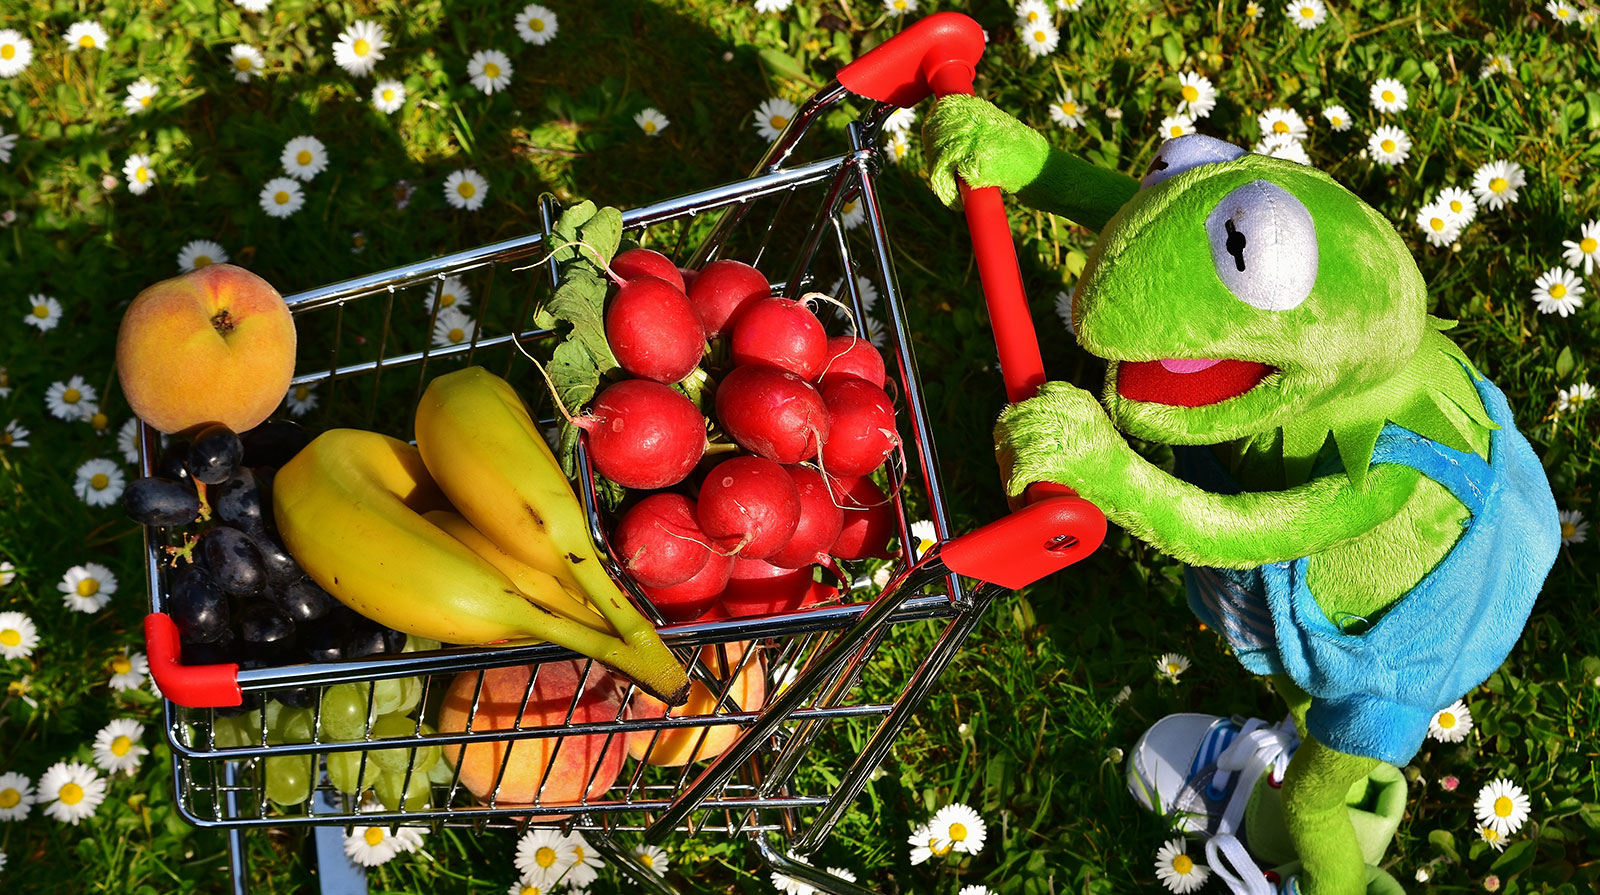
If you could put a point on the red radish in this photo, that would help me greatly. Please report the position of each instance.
(761, 588)
(820, 522)
(689, 600)
(861, 428)
(850, 357)
(750, 502)
(721, 288)
(646, 263)
(643, 434)
(782, 333)
(772, 413)
(653, 330)
(868, 519)
(660, 541)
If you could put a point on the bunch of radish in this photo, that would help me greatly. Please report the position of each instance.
(739, 529)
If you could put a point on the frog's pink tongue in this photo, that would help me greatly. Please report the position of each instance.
(1174, 365)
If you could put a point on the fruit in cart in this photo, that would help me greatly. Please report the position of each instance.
(647, 263)
(659, 540)
(303, 601)
(273, 443)
(395, 760)
(215, 345)
(653, 331)
(821, 520)
(772, 413)
(199, 608)
(268, 633)
(157, 501)
(851, 357)
(861, 428)
(757, 587)
(489, 458)
(868, 518)
(174, 463)
(721, 289)
(549, 583)
(782, 333)
(749, 504)
(288, 778)
(675, 747)
(237, 500)
(351, 772)
(643, 434)
(214, 454)
(579, 765)
(689, 600)
(279, 563)
(345, 711)
(418, 791)
(233, 560)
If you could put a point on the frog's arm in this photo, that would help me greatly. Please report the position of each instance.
(1064, 436)
(967, 136)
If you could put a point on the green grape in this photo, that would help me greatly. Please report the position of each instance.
(289, 778)
(344, 712)
(441, 773)
(394, 760)
(418, 797)
(343, 768)
(388, 694)
(410, 694)
(273, 708)
(231, 733)
(415, 644)
(292, 726)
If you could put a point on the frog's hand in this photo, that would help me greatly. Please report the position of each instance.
(1064, 436)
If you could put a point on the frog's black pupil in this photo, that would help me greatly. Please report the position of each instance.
(1236, 243)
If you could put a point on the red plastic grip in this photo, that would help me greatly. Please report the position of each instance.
(1040, 539)
(195, 686)
(901, 70)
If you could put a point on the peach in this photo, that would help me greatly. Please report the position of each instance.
(678, 746)
(215, 345)
(573, 776)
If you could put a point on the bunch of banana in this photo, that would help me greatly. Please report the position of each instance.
(370, 518)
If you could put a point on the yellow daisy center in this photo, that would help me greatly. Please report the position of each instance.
(8, 52)
(6, 438)
(301, 392)
(447, 299)
(304, 158)
(1280, 127)
(1252, 10)
(86, 41)
(1503, 807)
(529, 890)
(243, 63)
(1455, 205)
(1563, 12)
(1387, 145)
(70, 794)
(1436, 223)
(1588, 245)
(958, 832)
(466, 189)
(141, 174)
(1388, 96)
(1336, 120)
(12, 637)
(938, 849)
(1490, 834)
(41, 311)
(362, 47)
(120, 746)
(388, 96)
(374, 836)
(1177, 130)
(10, 798)
(1447, 720)
(1071, 108)
(457, 334)
(71, 396)
(1498, 185)
(1190, 94)
(536, 25)
(201, 261)
(1173, 668)
(1040, 36)
(491, 71)
(647, 859)
(121, 665)
(1309, 13)
(144, 101)
(899, 4)
(1567, 531)
(1183, 864)
(99, 421)
(545, 856)
(281, 197)
(649, 127)
(1559, 290)
(88, 587)
(577, 853)
(778, 121)
(1033, 16)
(98, 482)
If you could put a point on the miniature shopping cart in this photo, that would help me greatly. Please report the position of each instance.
(802, 757)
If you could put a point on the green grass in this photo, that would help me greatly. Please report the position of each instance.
(1040, 756)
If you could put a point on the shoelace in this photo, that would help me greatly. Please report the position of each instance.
(1258, 749)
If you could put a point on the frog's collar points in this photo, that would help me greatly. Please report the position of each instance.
(1188, 382)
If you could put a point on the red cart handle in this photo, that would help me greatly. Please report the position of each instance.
(195, 686)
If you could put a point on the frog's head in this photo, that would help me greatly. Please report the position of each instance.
(1235, 291)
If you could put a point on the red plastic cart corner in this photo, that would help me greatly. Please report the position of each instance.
(191, 686)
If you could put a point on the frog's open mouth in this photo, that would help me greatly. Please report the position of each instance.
(1188, 382)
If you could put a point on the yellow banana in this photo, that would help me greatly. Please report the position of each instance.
(538, 585)
(490, 460)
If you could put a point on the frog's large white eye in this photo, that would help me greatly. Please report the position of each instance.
(1179, 155)
(1264, 246)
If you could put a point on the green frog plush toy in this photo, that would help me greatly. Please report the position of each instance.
(1361, 519)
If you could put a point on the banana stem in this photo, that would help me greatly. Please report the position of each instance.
(644, 660)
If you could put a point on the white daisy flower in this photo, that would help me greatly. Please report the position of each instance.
(852, 214)
(1558, 291)
(521, 888)
(466, 189)
(1573, 398)
(1389, 95)
(371, 846)
(1502, 806)
(1067, 111)
(388, 96)
(586, 863)
(8, 573)
(1254, 10)
(900, 121)
(128, 671)
(360, 47)
(452, 293)
(789, 885)
(1389, 145)
(116, 746)
(1496, 183)
(16, 52)
(1170, 665)
(1122, 695)
(301, 398)
(1574, 530)
(924, 534)
(1586, 250)
(87, 588)
(876, 334)
(304, 157)
(1069, 5)
(18, 637)
(1338, 118)
(1438, 224)
(86, 35)
(1040, 38)
(246, 61)
(1562, 11)
(99, 482)
(537, 25)
(1496, 65)
(73, 791)
(1174, 126)
(139, 174)
(199, 253)
(957, 828)
(1494, 838)
(1176, 870)
(128, 440)
(1588, 18)
(281, 197)
(772, 116)
(1452, 723)
(16, 794)
(1276, 121)
(72, 400)
(141, 94)
(1030, 12)
(1283, 146)
(1458, 202)
(900, 7)
(771, 6)
(44, 312)
(255, 6)
(651, 121)
(922, 845)
(490, 70)
(653, 858)
(864, 288)
(1306, 14)
(1064, 311)
(452, 327)
(14, 436)
(897, 147)
(1199, 97)
(8, 142)
(407, 839)
(542, 857)
(850, 877)
(101, 422)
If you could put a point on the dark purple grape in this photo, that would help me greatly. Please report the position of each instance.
(273, 443)
(234, 562)
(322, 641)
(215, 454)
(199, 608)
(298, 698)
(251, 703)
(174, 463)
(363, 641)
(281, 567)
(393, 641)
(268, 633)
(219, 653)
(237, 501)
(158, 501)
(302, 601)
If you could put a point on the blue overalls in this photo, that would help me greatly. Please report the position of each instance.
(1374, 692)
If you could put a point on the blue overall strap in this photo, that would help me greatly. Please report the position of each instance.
(1465, 475)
